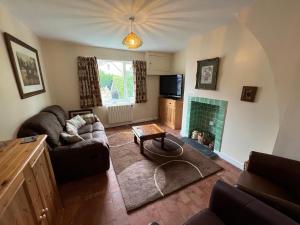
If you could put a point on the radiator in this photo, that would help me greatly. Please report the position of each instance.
(120, 114)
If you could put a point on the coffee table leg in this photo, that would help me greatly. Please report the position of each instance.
(142, 147)
(135, 139)
(162, 143)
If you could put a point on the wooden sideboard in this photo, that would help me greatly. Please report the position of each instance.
(28, 190)
(170, 112)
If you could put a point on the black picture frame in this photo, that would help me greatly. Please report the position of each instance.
(249, 93)
(207, 74)
(80, 112)
(26, 67)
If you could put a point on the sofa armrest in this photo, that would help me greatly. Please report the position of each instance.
(235, 207)
(282, 171)
(80, 159)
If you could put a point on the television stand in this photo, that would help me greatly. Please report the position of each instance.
(170, 112)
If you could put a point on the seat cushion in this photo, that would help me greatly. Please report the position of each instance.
(100, 135)
(272, 194)
(204, 217)
(255, 183)
(89, 128)
(98, 126)
(59, 112)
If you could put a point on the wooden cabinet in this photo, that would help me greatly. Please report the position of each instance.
(28, 191)
(159, 63)
(170, 112)
(19, 209)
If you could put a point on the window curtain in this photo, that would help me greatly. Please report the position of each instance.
(140, 73)
(89, 82)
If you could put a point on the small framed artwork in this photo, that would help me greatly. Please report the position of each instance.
(249, 93)
(26, 67)
(207, 74)
(80, 112)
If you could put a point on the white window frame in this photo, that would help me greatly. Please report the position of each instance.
(125, 101)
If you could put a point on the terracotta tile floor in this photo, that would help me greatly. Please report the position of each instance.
(97, 200)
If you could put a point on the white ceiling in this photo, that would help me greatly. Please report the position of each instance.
(164, 25)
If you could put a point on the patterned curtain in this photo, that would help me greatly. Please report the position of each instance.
(140, 73)
(89, 82)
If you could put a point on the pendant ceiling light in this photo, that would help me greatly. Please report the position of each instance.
(132, 40)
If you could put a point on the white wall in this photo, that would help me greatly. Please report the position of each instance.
(275, 24)
(61, 58)
(248, 126)
(15, 110)
(179, 61)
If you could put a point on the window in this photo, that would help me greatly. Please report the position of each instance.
(116, 82)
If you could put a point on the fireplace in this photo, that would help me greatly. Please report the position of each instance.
(208, 116)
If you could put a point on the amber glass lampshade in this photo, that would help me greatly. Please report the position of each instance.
(132, 41)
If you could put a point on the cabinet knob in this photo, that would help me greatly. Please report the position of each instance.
(45, 210)
(43, 216)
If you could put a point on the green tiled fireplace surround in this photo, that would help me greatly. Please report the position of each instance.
(200, 112)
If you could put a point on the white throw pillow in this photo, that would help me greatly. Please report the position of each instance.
(77, 121)
(89, 118)
(71, 138)
(71, 129)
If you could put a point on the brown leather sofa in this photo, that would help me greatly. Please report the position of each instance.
(231, 206)
(70, 161)
(275, 181)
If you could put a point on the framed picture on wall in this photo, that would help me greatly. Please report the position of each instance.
(207, 74)
(26, 67)
(73, 113)
(248, 93)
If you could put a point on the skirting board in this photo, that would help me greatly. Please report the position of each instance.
(230, 160)
(131, 122)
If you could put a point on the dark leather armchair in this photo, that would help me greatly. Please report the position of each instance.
(231, 206)
(275, 181)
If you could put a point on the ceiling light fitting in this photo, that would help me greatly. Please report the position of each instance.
(132, 41)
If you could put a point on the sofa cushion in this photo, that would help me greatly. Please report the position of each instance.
(98, 126)
(71, 129)
(58, 112)
(89, 128)
(99, 135)
(251, 182)
(43, 123)
(77, 121)
(204, 217)
(85, 129)
(271, 193)
(70, 138)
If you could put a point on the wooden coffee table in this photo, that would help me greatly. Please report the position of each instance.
(147, 132)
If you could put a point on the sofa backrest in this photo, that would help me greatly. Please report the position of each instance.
(49, 121)
(59, 112)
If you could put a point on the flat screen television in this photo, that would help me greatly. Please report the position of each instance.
(171, 86)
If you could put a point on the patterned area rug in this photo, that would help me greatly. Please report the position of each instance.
(144, 179)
